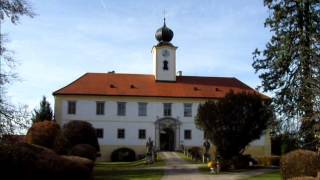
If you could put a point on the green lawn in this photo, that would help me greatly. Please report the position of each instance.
(128, 170)
(268, 176)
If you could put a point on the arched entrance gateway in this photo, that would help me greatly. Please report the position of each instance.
(167, 137)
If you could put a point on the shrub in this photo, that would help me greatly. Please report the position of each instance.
(269, 160)
(195, 152)
(74, 133)
(123, 155)
(81, 160)
(27, 161)
(299, 163)
(43, 133)
(84, 150)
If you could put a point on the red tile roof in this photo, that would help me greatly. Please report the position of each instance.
(114, 84)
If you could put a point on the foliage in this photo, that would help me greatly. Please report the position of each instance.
(123, 155)
(289, 66)
(74, 133)
(268, 160)
(43, 134)
(195, 152)
(84, 150)
(234, 121)
(44, 113)
(304, 178)
(299, 163)
(284, 143)
(26, 161)
(12, 117)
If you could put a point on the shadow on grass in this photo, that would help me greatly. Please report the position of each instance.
(152, 174)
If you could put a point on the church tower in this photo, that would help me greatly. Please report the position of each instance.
(164, 55)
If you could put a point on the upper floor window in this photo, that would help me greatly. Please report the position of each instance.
(165, 65)
(72, 106)
(142, 134)
(167, 109)
(121, 134)
(100, 108)
(187, 110)
(121, 108)
(187, 134)
(99, 132)
(142, 108)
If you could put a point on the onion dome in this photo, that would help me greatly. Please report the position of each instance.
(164, 34)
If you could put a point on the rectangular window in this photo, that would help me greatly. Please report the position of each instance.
(187, 134)
(99, 132)
(142, 109)
(121, 134)
(72, 107)
(100, 108)
(167, 109)
(187, 110)
(121, 108)
(142, 134)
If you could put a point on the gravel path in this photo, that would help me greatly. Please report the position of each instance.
(178, 169)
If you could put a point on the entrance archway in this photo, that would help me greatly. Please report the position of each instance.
(167, 134)
(167, 137)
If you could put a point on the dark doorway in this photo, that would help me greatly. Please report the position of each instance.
(167, 140)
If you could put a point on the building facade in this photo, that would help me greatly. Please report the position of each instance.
(127, 109)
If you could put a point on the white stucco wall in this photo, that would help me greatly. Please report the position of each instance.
(131, 122)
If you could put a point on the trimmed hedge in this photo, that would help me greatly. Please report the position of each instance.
(299, 163)
(123, 155)
(74, 133)
(84, 150)
(43, 133)
(27, 161)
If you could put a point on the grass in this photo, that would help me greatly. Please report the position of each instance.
(128, 170)
(268, 176)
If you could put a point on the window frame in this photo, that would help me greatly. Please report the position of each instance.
(167, 109)
(142, 105)
(121, 133)
(187, 134)
(100, 110)
(98, 133)
(187, 113)
(121, 112)
(142, 133)
(72, 107)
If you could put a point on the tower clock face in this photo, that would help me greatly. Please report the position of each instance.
(165, 53)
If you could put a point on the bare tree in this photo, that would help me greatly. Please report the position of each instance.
(11, 117)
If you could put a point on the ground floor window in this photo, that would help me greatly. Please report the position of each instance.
(121, 133)
(187, 134)
(99, 132)
(142, 134)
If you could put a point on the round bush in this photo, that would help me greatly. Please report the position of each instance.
(27, 161)
(43, 133)
(74, 133)
(299, 163)
(123, 155)
(84, 150)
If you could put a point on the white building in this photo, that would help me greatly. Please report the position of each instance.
(126, 109)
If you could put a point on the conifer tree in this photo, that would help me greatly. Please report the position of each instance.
(289, 66)
(44, 113)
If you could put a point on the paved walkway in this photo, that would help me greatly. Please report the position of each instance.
(178, 169)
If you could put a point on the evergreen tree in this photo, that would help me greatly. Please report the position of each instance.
(234, 121)
(289, 66)
(44, 113)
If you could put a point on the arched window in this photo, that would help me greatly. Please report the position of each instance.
(165, 65)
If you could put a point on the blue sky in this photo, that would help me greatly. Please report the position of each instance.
(69, 38)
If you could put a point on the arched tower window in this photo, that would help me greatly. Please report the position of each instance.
(165, 65)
